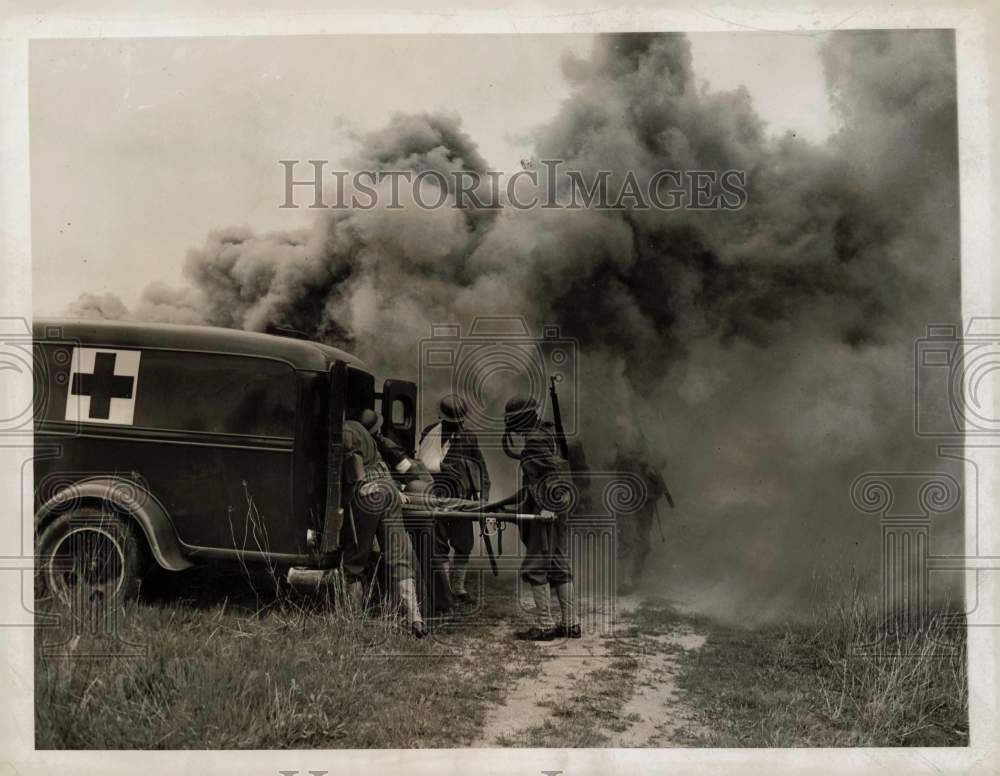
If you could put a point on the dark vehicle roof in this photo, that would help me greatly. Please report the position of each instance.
(300, 353)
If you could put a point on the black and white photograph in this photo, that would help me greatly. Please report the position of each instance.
(512, 391)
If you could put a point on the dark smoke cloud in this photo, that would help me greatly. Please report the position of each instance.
(422, 142)
(767, 351)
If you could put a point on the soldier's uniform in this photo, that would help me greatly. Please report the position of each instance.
(410, 473)
(414, 479)
(546, 476)
(635, 528)
(452, 455)
(547, 487)
(375, 503)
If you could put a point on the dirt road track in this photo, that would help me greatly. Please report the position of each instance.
(653, 711)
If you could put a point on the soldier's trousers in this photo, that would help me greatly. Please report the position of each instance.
(378, 514)
(449, 535)
(633, 544)
(454, 535)
(546, 552)
(435, 592)
(457, 534)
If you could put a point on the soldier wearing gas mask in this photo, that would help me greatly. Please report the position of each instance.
(450, 452)
(375, 511)
(547, 487)
(417, 484)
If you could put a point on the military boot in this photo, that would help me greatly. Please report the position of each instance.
(354, 597)
(457, 581)
(411, 607)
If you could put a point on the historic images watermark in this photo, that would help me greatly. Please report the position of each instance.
(547, 184)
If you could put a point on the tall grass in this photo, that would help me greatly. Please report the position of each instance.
(231, 657)
(847, 675)
(223, 663)
(901, 679)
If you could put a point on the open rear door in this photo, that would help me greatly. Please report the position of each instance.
(333, 518)
(399, 413)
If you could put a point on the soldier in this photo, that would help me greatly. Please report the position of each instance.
(411, 474)
(451, 454)
(634, 528)
(414, 480)
(375, 507)
(547, 486)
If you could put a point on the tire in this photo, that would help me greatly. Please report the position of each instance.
(90, 556)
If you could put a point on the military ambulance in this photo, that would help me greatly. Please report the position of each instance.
(178, 445)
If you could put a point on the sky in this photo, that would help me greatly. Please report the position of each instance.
(140, 147)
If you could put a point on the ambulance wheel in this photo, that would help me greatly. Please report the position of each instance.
(90, 557)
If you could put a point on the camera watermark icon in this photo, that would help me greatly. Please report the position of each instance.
(498, 357)
(955, 380)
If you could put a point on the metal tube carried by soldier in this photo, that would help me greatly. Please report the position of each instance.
(424, 510)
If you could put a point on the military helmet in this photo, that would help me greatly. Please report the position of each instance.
(371, 420)
(453, 407)
(520, 412)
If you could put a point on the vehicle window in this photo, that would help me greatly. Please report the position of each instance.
(215, 393)
(360, 392)
(399, 415)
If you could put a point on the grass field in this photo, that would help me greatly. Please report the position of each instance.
(843, 679)
(225, 671)
(223, 664)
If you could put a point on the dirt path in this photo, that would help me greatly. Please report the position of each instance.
(616, 685)
(657, 711)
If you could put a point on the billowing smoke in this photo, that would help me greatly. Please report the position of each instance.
(98, 306)
(766, 351)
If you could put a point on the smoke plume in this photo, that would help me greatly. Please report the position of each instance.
(766, 352)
